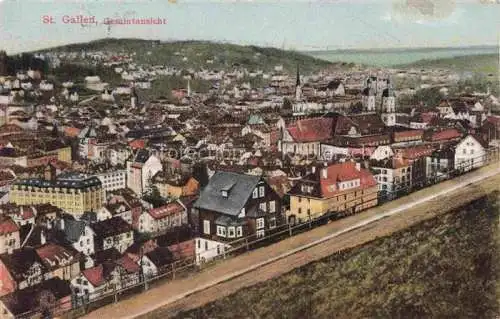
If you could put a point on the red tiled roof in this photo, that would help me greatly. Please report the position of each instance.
(409, 133)
(137, 144)
(7, 225)
(311, 130)
(128, 264)
(54, 253)
(95, 275)
(412, 153)
(446, 135)
(163, 211)
(345, 172)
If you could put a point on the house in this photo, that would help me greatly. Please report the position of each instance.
(441, 163)
(156, 262)
(112, 233)
(470, 153)
(338, 188)
(393, 176)
(141, 170)
(416, 157)
(52, 297)
(78, 234)
(304, 137)
(96, 281)
(163, 218)
(21, 269)
(119, 209)
(234, 206)
(180, 242)
(175, 186)
(59, 261)
(9, 235)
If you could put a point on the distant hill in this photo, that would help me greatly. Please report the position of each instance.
(198, 54)
(483, 63)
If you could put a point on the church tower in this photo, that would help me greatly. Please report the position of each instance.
(298, 87)
(388, 106)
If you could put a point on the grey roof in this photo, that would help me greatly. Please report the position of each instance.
(80, 182)
(228, 221)
(73, 229)
(239, 186)
(142, 156)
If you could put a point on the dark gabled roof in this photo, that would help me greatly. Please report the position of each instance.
(161, 256)
(66, 181)
(142, 156)
(177, 235)
(110, 227)
(73, 229)
(111, 254)
(26, 300)
(238, 186)
(20, 261)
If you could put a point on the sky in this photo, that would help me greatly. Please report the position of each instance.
(297, 25)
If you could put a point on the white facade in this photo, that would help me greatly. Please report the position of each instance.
(85, 244)
(138, 175)
(469, 153)
(206, 249)
(113, 180)
(382, 152)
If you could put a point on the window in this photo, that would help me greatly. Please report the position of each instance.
(472, 151)
(300, 199)
(206, 227)
(272, 206)
(79, 281)
(261, 191)
(199, 243)
(272, 222)
(221, 231)
(260, 233)
(239, 231)
(465, 151)
(206, 245)
(260, 223)
(255, 193)
(263, 207)
(299, 211)
(231, 232)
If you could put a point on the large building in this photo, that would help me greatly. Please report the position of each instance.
(73, 192)
(344, 188)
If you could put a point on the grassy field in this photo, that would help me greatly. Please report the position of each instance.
(194, 54)
(442, 268)
(485, 64)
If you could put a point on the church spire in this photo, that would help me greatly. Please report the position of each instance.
(298, 77)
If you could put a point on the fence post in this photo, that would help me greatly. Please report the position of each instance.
(173, 270)
(290, 229)
(310, 221)
(145, 282)
(246, 243)
(115, 294)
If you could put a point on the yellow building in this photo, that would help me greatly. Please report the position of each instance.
(344, 188)
(176, 187)
(73, 192)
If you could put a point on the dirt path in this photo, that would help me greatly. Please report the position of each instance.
(225, 278)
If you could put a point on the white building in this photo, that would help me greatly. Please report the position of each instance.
(141, 170)
(469, 153)
(113, 179)
(206, 249)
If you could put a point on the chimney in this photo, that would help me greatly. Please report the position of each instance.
(324, 173)
(358, 167)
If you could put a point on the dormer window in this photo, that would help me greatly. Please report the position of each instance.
(224, 194)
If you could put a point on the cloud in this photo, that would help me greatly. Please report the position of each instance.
(424, 12)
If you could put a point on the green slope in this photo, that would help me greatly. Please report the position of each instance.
(198, 52)
(484, 63)
(442, 268)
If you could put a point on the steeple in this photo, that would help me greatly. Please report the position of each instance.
(298, 77)
(298, 88)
